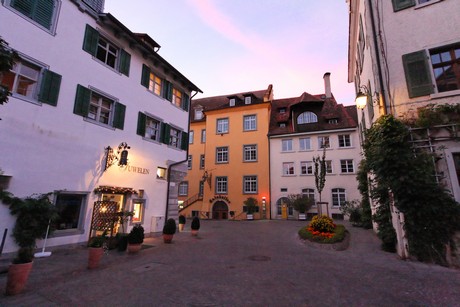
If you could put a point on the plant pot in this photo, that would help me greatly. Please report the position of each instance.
(194, 232)
(250, 216)
(94, 257)
(167, 238)
(122, 242)
(302, 217)
(18, 274)
(181, 227)
(134, 248)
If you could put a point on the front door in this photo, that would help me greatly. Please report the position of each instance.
(220, 211)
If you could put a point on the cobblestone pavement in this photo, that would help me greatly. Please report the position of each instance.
(256, 263)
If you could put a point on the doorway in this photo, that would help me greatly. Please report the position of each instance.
(219, 211)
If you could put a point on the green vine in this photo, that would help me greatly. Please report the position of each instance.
(431, 215)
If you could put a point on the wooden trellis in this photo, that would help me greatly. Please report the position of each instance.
(105, 215)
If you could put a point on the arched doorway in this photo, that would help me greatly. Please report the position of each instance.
(219, 211)
(284, 208)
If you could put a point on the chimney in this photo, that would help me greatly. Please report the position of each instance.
(327, 85)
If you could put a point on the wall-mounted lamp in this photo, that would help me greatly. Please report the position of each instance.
(121, 156)
(363, 96)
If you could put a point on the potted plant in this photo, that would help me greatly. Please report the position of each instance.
(122, 237)
(301, 203)
(169, 229)
(251, 205)
(96, 250)
(195, 226)
(135, 238)
(33, 215)
(182, 222)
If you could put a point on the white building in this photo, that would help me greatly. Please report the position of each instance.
(300, 129)
(84, 82)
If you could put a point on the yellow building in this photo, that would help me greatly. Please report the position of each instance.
(228, 157)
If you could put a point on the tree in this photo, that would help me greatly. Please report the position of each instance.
(7, 59)
(301, 202)
(320, 175)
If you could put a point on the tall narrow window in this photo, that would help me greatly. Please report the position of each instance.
(221, 185)
(183, 188)
(203, 136)
(191, 135)
(338, 197)
(189, 162)
(286, 145)
(202, 161)
(222, 125)
(304, 144)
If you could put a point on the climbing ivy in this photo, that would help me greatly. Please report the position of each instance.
(431, 214)
(363, 187)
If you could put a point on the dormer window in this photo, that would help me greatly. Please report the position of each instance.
(247, 100)
(282, 125)
(333, 121)
(307, 118)
(282, 110)
(232, 102)
(198, 114)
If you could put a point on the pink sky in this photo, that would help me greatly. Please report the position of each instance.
(229, 46)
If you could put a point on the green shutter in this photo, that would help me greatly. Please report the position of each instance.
(418, 74)
(145, 78)
(141, 119)
(23, 6)
(125, 60)
(91, 39)
(167, 90)
(402, 4)
(82, 100)
(119, 116)
(185, 101)
(44, 12)
(184, 141)
(49, 90)
(165, 133)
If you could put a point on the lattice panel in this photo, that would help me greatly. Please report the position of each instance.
(104, 215)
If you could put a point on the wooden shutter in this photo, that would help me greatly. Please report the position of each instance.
(185, 101)
(44, 12)
(49, 90)
(402, 4)
(145, 78)
(141, 119)
(167, 90)
(119, 116)
(125, 61)
(418, 74)
(165, 132)
(91, 39)
(23, 6)
(82, 100)
(184, 141)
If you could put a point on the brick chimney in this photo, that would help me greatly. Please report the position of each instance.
(327, 85)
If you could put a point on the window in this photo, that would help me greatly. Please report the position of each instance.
(222, 125)
(446, 67)
(183, 188)
(333, 121)
(148, 127)
(323, 142)
(283, 190)
(338, 197)
(203, 136)
(99, 108)
(96, 5)
(250, 184)
(106, 52)
(282, 125)
(198, 114)
(191, 135)
(344, 140)
(189, 162)
(201, 188)
(249, 153)
(175, 137)
(221, 185)
(161, 173)
(70, 208)
(43, 13)
(221, 154)
(177, 97)
(154, 84)
(232, 102)
(24, 78)
(328, 166)
(282, 110)
(346, 166)
(286, 145)
(250, 123)
(304, 144)
(288, 169)
(403, 4)
(306, 168)
(307, 118)
(202, 160)
(310, 193)
(247, 100)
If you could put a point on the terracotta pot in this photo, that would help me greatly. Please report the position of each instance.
(167, 238)
(94, 256)
(134, 248)
(181, 227)
(194, 232)
(18, 274)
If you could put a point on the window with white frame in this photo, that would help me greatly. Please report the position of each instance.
(338, 197)
(222, 154)
(288, 168)
(329, 169)
(232, 102)
(250, 184)
(203, 136)
(198, 114)
(221, 185)
(307, 118)
(304, 144)
(161, 172)
(250, 123)
(155, 83)
(247, 100)
(346, 166)
(183, 188)
(189, 162)
(191, 135)
(306, 168)
(344, 140)
(177, 97)
(249, 153)
(286, 145)
(70, 207)
(323, 142)
(310, 193)
(152, 128)
(175, 136)
(202, 161)
(222, 125)
(42, 13)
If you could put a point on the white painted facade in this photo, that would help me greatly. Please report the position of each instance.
(49, 148)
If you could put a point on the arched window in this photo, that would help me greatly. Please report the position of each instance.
(306, 118)
(284, 201)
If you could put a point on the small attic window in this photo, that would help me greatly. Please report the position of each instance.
(232, 102)
(333, 121)
(198, 114)
(282, 110)
(247, 100)
(282, 125)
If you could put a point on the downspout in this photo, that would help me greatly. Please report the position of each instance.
(168, 180)
(382, 101)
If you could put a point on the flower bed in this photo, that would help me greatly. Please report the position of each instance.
(322, 229)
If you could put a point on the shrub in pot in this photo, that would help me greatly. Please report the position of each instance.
(195, 226)
(135, 238)
(122, 237)
(251, 205)
(169, 229)
(96, 250)
(182, 222)
(301, 203)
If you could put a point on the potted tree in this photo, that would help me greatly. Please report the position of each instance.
(96, 250)
(135, 239)
(122, 237)
(195, 225)
(33, 215)
(251, 205)
(182, 222)
(169, 229)
(301, 203)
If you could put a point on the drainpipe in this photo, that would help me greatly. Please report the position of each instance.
(382, 101)
(179, 162)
